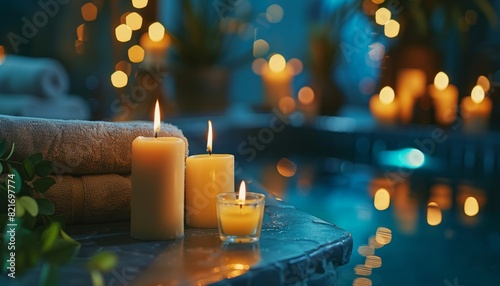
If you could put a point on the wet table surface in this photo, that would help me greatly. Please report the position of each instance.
(294, 248)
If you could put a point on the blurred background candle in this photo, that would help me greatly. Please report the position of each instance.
(410, 84)
(207, 175)
(277, 79)
(445, 97)
(384, 107)
(476, 110)
(240, 215)
(155, 44)
(157, 202)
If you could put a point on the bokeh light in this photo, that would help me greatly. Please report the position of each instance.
(123, 33)
(362, 281)
(260, 48)
(296, 65)
(386, 95)
(277, 63)
(306, 95)
(136, 54)
(382, 16)
(258, 64)
(81, 33)
(373, 261)
(119, 79)
(286, 168)
(391, 28)
(383, 235)
(477, 94)
(382, 199)
(378, 1)
(362, 270)
(134, 21)
(287, 105)
(124, 66)
(366, 250)
(441, 81)
(484, 82)
(471, 206)
(274, 13)
(434, 215)
(156, 32)
(377, 51)
(89, 12)
(139, 4)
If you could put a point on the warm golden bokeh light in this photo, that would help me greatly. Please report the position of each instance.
(382, 199)
(391, 28)
(286, 168)
(383, 235)
(156, 32)
(373, 261)
(296, 65)
(89, 12)
(274, 13)
(366, 250)
(260, 48)
(2, 54)
(378, 1)
(81, 33)
(306, 95)
(484, 82)
(258, 64)
(471, 206)
(372, 242)
(134, 21)
(123, 33)
(79, 47)
(139, 4)
(477, 94)
(441, 81)
(136, 54)
(119, 79)
(362, 281)
(277, 63)
(124, 66)
(434, 215)
(286, 105)
(386, 95)
(362, 270)
(382, 16)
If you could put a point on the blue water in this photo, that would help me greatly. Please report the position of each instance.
(459, 250)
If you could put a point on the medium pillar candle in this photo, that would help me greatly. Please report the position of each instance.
(445, 97)
(157, 200)
(277, 79)
(476, 111)
(207, 175)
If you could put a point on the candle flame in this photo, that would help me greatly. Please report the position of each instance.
(477, 94)
(277, 63)
(209, 138)
(243, 191)
(386, 95)
(157, 119)
(441, 81)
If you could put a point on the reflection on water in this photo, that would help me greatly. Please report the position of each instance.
(425, 230)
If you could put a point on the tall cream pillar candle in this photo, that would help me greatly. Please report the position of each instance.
(157, 202)
(277, 78)
(207, 175)
(445, 97)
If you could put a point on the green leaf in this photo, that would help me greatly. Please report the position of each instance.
(36, 158)
(103, 261)
(45, 207)
(11, 151)
(97, 279)
(3, 147)
(66, 237)
(44, 168)
(49, 275)
(50, 235)
(29, 205)
(29, 168)
(61, 251)
(20, 209)
(42, 185)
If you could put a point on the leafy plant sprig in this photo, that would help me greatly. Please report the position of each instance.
(39, 237)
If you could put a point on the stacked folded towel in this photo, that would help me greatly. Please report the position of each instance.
(92, 161)
(38, 87)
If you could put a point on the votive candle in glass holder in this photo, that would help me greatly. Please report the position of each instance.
(240, 215)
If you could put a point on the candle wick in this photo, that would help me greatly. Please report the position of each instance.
(241, 206)
(209, 151)
(156, 134)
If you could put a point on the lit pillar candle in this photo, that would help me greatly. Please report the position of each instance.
(476, 110)
(157, 202)
(384, 107)
(207, 175)
(445, 97)
(277, 79)
(410, 85)
(155, 44)
(240, 217)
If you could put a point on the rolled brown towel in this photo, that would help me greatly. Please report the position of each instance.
(79, 147)
(92, 198)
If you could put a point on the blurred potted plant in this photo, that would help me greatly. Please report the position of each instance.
(201, 60)
(324, 51)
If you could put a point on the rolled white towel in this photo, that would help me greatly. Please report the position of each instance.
(42, 77)
(67, 107)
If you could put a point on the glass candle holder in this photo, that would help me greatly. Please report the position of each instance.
(240, 221)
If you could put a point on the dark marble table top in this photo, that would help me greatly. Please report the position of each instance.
(294, 247)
